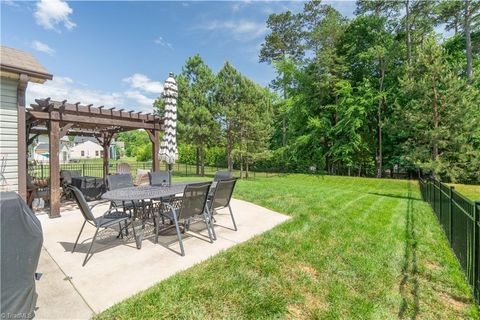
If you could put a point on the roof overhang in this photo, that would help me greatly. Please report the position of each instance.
(14, 73)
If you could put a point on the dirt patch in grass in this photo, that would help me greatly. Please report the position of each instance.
(432, 265)
(309, 270)
(295, 312)
(456, 303)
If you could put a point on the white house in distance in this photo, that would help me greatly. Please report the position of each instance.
(17, 69)
(86, 150)
(80, 148)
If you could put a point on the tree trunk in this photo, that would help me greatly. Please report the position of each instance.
(284, 120)
(407, 31)
(241, 157)
(436, 117)
(468, 38)
(197, 160)
(202, 161)
(379, 123)
(246, 163)
(229, 148)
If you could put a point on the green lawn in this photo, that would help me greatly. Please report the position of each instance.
(469, 190)
(354, 248)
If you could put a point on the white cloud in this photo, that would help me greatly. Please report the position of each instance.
(50, 13)
(42, 47)
(140, 98)
(237, 5)
(61, 88)
(142, 82)
(185, 4)
(163, 43)
(243, 30)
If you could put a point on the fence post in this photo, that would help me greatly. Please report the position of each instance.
(450, 211)
(476, 251)
(41, 169)
(83, 169)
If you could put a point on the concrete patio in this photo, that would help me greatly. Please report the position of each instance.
(118, 270)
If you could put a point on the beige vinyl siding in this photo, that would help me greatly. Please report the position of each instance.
(8, 130)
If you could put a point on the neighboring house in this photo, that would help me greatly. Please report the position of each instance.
(86, 150)
(17, 69)
(112, 149)
(41, 151)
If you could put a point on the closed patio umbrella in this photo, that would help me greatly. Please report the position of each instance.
(168, 146)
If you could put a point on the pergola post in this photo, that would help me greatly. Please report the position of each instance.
(155, 139)
(54, 140)
(105, 141)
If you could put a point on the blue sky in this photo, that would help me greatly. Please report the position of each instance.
(120, 53)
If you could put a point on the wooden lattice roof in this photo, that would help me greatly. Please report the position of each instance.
(87, 120)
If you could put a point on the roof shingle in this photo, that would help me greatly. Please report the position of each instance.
(11, 59)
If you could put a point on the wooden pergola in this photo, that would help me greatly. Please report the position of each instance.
(60, 118)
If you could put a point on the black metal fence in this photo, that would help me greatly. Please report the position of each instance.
(42, 171)
(460, 219)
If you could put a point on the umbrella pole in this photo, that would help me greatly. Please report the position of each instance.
(170, 166)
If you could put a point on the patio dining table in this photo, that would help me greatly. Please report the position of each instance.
(141, 195)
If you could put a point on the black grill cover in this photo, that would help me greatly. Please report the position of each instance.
(21, 242)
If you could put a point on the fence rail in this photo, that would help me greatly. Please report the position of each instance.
(460, 219)
(42, 171)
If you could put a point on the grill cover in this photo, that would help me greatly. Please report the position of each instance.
(21, 242)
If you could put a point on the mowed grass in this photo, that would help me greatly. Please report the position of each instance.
(471, 191)
(355, 248)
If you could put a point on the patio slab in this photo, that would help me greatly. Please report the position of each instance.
(118, 270)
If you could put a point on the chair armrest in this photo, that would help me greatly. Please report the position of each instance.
(99, 203)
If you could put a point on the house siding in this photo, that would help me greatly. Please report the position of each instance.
(8, 130)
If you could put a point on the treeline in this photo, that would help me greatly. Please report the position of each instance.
(374, 94)
(380, 91)
(221, 110)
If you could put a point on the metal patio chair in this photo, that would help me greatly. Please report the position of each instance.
(221, 199)
(66, 180)
(124, 168)
(220, 175)
(110, 218)
(158, 178)
(191, 206)
(119, 181)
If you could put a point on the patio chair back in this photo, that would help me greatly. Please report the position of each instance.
(124, 168)
(82, 203)
(194, 200)
(119, 181)
(221, 175)
(223, 193)
(159, 177)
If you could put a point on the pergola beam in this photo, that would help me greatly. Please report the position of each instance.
(89, 109)
(99, 121)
